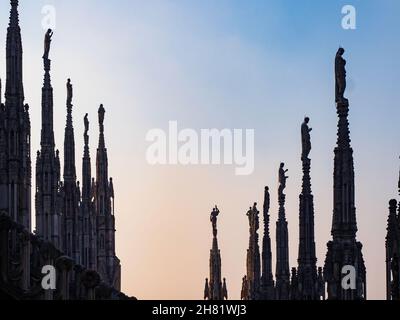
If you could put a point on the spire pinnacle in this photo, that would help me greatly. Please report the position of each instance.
(101, 113)
(69, 139)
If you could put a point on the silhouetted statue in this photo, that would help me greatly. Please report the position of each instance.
(86, 122)
(305, 139)
(213, 219)
(340, 76)
(47, 42)
(101, 115)
(282, 179)
(69, 92)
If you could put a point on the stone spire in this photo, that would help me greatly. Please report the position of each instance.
(344, 250)
(15, 166)
(392, 245)
(48, 213)
(87, 210)
(72, 220)
(307, 276)
(253, 277)
(14, 84)
(215, 287)
(282, 242)
(267, 280)
(107, 262)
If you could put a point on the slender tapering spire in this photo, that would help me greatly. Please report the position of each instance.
(344, 250)
(15, 169)
(253, 263)
(47, 133)
(14, 85)
(72, 220)
(69, 139)
(86, 163)
(48, 213)
(267, 280)
(215, 287)
(88, 214)
(108, 264)
(307, 276)
(282, 242)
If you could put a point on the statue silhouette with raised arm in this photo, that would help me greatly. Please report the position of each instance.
(47, 42)
(305, 139)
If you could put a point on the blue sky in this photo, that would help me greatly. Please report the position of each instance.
(253, 64)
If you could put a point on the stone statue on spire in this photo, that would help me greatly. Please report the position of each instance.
(69, 92)
(305, 139)
(101, 115)
(47, 42)
(86, 122)
(340, 76)
(213, 218)
(282, 179)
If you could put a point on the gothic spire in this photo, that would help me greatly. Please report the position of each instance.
(282, 242)
(48, 214)
(86, 164)
(102, 182)
(47, 134)
(253, 277)
(267, 281)
(14, 84)
(344, 250)
(307, 276)
(215, 287)
(69, 139)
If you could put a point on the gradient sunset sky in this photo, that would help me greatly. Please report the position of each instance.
(259, 65)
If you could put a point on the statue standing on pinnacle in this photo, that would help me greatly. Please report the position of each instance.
(282, 179)
(305, 139)
(86, 122)
(213, 219)
(47, 42)
(340, 76)
(69, 92)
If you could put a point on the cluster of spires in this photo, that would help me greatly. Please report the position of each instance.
(80, 224)
(307, 281)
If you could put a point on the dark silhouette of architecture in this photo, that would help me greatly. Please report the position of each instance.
(282, 274)
(48, 187)
(393, 252)
(344, 250)
(267, 279)
(215, 289)
(307, 287)
(15, 133)
(75, 234)
(252, 281)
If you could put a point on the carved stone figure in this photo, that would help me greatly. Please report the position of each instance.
(305, 139)
(340, 76)
(213, 219)
(86, 122)
(282, 179)
(69, 92)
(47, 42)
